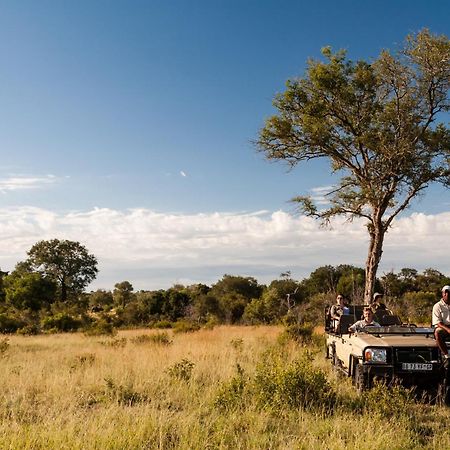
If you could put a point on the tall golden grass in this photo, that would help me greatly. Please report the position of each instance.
(76, 392)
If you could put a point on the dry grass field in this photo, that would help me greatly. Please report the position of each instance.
(219, 388)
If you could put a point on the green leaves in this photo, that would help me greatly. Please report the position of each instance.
(67, 263)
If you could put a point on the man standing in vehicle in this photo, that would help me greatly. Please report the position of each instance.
(441, 321)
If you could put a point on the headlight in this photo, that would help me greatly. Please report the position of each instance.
(375, 355)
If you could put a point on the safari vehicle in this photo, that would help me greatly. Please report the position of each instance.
(393, 353)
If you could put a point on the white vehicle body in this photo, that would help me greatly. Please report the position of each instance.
(394, 353)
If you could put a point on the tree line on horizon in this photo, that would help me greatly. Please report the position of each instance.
(46, 293)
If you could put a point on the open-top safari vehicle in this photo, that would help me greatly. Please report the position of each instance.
(393, 353)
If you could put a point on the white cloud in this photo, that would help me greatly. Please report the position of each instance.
(21, 182)
(154, 250)
(318, 194)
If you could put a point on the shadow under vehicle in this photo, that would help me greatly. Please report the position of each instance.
(392, 353)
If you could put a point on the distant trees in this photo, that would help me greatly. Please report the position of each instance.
(396, 285)
(29, 290)
(29, 300)
(123, 293)
(377, 123)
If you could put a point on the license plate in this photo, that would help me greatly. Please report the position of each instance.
(417, 366)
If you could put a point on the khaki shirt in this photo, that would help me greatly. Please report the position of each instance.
(361, 324)
(441, 313)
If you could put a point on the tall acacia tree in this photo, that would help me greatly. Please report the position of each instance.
(379, 125)
(68, 263)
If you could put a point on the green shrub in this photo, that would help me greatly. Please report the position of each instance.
(237, 344)
(211, 322)
(99, 328)
(60, 322)
(115, 343)
(292, 384)
(29, 330)
(122, 394)
(162, 324)
(84, 360)
(231, 393)
(4, 345)
(10, 324)
(392, 401)
(301, 333)
(158, 338)
(184, 326)
(181, 370)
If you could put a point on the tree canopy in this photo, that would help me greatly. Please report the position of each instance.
(379, 124)
(68, 263)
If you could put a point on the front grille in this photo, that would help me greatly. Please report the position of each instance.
(416, 355)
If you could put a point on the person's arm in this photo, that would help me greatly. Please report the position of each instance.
(443, 326)
(352, 328)
(333, 312)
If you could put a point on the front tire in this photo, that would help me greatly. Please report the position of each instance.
(360, 379)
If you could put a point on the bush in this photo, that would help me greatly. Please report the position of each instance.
(123, 394)
(99, 328)
(29, 330)
(393, 401)
(4, 345)
(115, 343)
(9, 324)
(231, 393)
(183, 326)
(237, 344)
(211, 322)
(162, 324)
(60, 322)
(295, 384)
(158, 338)
(181, 370)
(302, 334)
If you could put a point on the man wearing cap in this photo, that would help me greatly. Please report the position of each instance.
(376, 303)
(441, 321)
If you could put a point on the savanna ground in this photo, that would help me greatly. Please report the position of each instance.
(229, 387)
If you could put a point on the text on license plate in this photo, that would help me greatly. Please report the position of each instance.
(416, 366)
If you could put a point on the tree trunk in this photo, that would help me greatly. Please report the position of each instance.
(376, 233)
(63, 290)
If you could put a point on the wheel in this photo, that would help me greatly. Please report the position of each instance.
(335, 360)
(360, 379)
(331, 353)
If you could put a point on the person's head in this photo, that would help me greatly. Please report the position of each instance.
(377, 297)
(368, 314)
(340, 299)
(446, 293)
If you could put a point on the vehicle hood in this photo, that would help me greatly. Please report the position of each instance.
(392, 340)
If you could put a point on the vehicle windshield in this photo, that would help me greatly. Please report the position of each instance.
(399, 330)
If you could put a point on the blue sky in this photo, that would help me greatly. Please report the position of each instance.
(113, 107)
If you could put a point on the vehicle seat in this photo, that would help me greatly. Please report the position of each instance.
(386, 320)
(344, 322)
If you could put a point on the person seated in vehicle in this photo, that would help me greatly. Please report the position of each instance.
(376, 303)
(366, 322)
(441, 321)
(337, 310)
